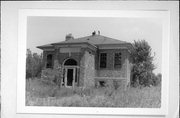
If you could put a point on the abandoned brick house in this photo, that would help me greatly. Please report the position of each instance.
(90, 60)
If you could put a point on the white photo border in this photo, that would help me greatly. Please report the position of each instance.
(22, 39)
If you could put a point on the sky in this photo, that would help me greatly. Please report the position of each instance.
(46, 30)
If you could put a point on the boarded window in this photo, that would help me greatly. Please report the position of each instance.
(117, 60)
(49, 61)
(103, 59)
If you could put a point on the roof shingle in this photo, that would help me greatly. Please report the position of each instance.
(94, 40)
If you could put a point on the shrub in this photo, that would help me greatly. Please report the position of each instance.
(39, 88)
(51, 76)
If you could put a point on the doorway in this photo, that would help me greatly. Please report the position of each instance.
(70, 77)
(70, 73)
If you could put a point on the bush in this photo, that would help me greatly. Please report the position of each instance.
(39, 88)
(51, 76)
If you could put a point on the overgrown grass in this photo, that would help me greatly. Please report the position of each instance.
(39, 93)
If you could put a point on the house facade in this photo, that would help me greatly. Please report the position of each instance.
(89, 61)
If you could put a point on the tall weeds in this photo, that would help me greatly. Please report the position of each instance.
(41, 94)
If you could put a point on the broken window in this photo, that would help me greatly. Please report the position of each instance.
(49, 61)
(103, 59)
(117, 60)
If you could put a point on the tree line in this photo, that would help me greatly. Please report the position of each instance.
(34, 64)
(142, 65)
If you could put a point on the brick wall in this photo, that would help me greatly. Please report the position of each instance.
(109, 71)
(89, 61)
(89, 69)
(45, 53)
(63, 56)
(122, 74)
(82, 71)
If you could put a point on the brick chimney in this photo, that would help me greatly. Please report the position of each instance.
(69, 37)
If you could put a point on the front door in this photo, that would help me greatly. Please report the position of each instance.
(69, 77)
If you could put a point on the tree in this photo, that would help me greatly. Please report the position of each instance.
(34, 64)
(29, 64)
(142, 64)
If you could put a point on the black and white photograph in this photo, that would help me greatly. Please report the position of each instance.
(93, 62)
(89, 59)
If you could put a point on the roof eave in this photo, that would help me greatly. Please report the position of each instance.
(115, 46)
(71, 43)
(44, 47)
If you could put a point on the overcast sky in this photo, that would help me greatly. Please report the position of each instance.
(45, 30)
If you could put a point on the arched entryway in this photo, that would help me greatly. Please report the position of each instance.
(70, 62)
(70, 72)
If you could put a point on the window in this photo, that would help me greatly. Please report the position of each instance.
(49, 61)
(117, 60)
(103, 58)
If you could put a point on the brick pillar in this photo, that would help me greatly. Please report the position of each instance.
(128, 68)
(81, 68)
(56, 62)
(44, 59)
(57, 67)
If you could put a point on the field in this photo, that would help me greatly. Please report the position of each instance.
(40, 93)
